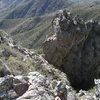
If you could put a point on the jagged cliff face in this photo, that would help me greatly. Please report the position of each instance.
(75, 49)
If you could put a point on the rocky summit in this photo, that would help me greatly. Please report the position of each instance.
(75, 49)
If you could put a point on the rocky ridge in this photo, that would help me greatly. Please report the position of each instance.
(39, 62)
(35, 86)
(12, 87)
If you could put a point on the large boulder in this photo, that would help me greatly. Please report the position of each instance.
(38, 89)
(75, 49)
(20, 85)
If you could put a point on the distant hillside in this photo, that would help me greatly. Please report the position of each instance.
(8, 3)
(30, 32)
(88, 11)
(32, 8)
(85, 5)
(7, 6)
(83, 0)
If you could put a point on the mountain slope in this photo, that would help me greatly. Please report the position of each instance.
(32, 31)
(9, 3)
(83, 0)
(38, 7)
(7, 6)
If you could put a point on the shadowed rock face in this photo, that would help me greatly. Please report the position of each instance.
(75, 49)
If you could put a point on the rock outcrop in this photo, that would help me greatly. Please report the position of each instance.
(39, 88)
(35, 86)
(75, 49)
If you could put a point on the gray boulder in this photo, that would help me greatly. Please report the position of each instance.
(38, 90)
